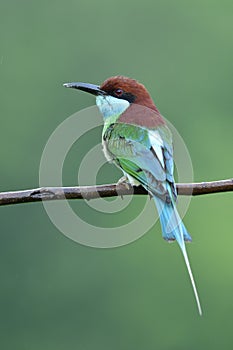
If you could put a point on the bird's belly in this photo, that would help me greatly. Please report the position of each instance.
(109, 156)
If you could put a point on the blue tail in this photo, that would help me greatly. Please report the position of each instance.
(174, 229)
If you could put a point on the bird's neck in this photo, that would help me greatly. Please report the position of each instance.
(111, 107)
(118, 110)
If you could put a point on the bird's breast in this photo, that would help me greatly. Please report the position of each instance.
(109, 156)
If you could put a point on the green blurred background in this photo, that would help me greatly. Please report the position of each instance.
(57, 294)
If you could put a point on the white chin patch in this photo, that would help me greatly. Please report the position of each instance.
(110, 106)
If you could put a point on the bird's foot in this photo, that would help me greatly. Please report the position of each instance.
(124, 181)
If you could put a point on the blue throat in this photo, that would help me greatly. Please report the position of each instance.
(111, 106)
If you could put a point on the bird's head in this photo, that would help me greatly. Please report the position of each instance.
(116, 94)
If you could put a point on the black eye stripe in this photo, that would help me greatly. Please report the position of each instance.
(123, 95)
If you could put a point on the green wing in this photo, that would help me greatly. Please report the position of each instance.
(144, 154)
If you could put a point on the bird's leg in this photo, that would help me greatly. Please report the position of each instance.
(124, 181)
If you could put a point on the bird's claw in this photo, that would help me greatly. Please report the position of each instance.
(123, 181)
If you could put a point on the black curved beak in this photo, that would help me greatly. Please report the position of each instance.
(90, 88)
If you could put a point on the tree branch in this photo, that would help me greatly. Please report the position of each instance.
(91, 192)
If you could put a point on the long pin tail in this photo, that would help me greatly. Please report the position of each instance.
(173, 229)
(186, 259)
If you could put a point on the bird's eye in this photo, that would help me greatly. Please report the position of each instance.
(118, 92)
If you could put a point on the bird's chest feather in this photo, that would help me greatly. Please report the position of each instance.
(109, 156)
(112, 142)
(124, 141)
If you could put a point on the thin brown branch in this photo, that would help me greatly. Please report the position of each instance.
(91, 192)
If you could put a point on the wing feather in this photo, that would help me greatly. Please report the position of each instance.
(142, 154)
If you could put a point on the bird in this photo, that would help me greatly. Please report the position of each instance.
(137, 140)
